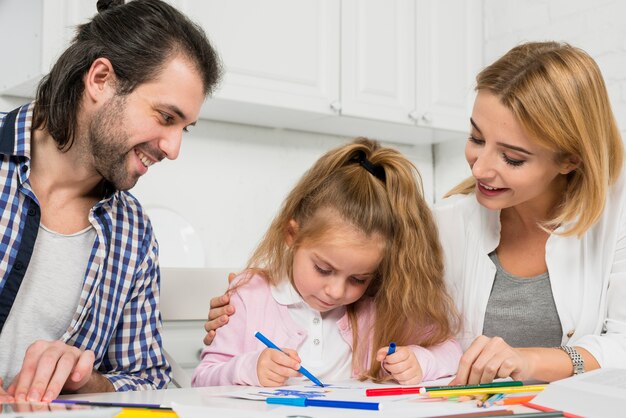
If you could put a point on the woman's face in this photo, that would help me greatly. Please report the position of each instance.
(509, 167)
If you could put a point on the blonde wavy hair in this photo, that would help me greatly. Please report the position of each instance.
(558, 95)
(412, 305)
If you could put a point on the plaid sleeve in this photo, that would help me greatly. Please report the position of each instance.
(135, 359)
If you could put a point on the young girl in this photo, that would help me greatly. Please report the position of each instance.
(351, 263)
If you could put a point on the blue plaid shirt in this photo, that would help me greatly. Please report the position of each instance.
(118, 315)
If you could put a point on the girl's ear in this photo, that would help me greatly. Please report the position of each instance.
(292, 232)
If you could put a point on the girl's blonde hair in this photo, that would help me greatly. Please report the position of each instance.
(408, 290)
(558, 95)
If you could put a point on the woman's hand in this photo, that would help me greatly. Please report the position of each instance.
(219, 312)
(274, 367)
(402, 365)
(490, 358)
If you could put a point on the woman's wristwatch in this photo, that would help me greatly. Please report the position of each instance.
(578, 362)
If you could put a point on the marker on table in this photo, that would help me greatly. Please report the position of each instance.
(546, 410)
(117, 404)
(510, 383)
(482, 400)
(490, 390)
(394, 391)
(375, 406)
(499, 413)
(552, 414)
(408, 390)
(492, 399)
(302, 370)
(515, 400)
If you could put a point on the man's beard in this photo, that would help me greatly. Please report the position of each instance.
(108, 144)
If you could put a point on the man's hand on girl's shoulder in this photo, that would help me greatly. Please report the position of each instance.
(219, 313)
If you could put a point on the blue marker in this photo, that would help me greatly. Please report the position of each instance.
(375, 406)
(302, 370)
(392, 348)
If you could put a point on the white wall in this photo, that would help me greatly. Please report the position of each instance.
(598, 27)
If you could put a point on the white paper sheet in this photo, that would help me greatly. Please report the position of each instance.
(251, 403)
(599, 393)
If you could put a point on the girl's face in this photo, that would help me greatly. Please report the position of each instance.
(509, 167)
(338, 269)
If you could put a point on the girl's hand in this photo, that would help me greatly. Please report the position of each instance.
(490, 358)
(274, 367)
(402, 365)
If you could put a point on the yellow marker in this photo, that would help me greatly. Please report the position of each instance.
(481, 400)
(481, 391)
(145, 413)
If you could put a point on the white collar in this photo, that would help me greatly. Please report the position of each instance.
(285, 294)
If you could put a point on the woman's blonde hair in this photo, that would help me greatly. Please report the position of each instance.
(558, 95)
(378, 191)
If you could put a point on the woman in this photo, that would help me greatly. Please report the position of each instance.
(535, 240)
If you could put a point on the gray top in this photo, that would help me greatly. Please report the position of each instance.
(48, 297)
(521, 310)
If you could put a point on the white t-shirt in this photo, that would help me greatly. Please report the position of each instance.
(48, 296)
(324, 352)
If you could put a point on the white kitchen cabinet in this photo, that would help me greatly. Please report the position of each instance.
(388, 69)
(449, 55)
(378, 59)
(403, 66)
(279, 53)
(35, 34)
(411, 61)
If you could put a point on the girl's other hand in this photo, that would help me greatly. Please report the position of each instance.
(274, 367)
(489, 358)
(402, 365)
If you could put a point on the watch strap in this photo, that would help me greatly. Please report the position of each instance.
(578, 363)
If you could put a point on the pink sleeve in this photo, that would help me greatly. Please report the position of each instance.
(439, 360)
(226, 361)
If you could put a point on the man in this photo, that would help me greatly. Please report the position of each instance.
(79, 275)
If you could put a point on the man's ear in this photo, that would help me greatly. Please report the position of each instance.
(569, 163)
(100, 80)
(292, 232)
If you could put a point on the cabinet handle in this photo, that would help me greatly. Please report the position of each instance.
(414, 116)
(426, 118)
(336, 106)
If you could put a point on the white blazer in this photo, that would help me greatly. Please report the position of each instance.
(587, 275)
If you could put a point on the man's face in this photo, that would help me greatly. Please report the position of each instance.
(130, 133)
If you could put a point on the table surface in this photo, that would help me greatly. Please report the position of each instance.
(215, 399)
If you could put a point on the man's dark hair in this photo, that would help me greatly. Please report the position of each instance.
(139, 38)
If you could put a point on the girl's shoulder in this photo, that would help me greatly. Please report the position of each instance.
(365, 303)
(249, 281)
(365, 309)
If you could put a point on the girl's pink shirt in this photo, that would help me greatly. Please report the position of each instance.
(232, 357)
